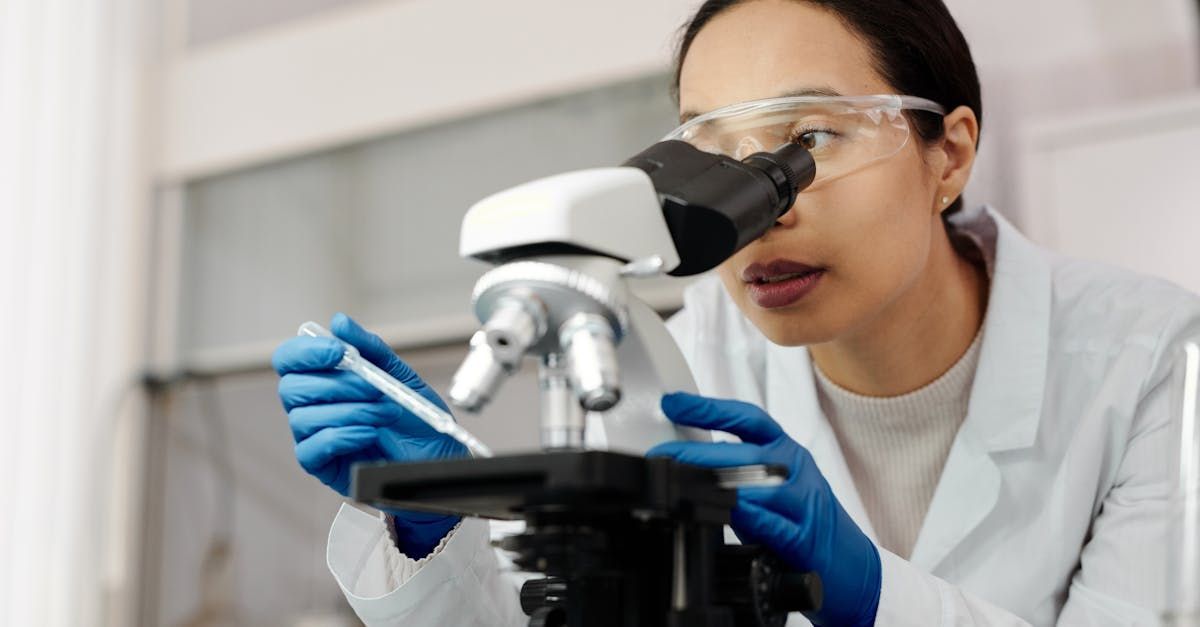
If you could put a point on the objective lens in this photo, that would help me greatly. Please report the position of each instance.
(591, 361)
(479, 376)
(562, 416)
(516, 324)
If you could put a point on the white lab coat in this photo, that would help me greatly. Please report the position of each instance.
(1051, 503)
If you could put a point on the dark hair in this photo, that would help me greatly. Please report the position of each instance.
(917, 48)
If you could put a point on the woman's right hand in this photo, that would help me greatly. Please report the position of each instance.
(337, 419)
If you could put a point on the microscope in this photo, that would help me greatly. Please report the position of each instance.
(622, 539)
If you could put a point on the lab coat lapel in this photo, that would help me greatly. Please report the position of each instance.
(1006, 396)
(791, 398)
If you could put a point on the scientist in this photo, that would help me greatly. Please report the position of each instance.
(975, 428)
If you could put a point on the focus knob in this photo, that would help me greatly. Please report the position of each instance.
(537, 594)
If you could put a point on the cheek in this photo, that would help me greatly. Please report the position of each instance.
(873, 230)
(880, 224)
(733, 285)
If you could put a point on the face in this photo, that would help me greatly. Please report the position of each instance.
(870, 233)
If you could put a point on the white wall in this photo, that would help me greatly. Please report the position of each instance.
(381, 67)
(1064, 58)
(372, 68)
(1120, 186)
(210, 21)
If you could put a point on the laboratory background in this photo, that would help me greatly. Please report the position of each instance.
(184, 182)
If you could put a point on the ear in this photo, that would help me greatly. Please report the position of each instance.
(956, 154)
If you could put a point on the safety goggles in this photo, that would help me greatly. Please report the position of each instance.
(845, 134)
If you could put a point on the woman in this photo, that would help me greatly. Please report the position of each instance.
(972, 425)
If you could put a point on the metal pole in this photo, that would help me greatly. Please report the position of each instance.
(1183, 571)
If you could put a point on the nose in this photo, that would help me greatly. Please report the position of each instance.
(746, 147)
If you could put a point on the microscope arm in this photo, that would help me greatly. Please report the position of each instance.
(651, 365)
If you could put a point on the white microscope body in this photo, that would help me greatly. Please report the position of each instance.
(566, 247)
(605, 357)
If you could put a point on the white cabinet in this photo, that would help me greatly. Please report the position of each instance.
(1121, 186)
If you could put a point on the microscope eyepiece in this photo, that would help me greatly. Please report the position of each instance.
(715, 205)
(791, 168)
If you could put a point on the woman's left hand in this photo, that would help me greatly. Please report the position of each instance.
(800, 520)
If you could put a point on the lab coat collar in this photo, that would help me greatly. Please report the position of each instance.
(1006, 396)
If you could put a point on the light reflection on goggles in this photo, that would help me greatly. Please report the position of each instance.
(844, 134)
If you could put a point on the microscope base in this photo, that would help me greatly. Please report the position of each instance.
(624, 540)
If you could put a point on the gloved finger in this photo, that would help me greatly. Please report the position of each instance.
(754, 524)
(709, 454)
(374, 349)
(310, 419)
(307, 354)
(746, 421)
(297, 389)
(336, 474)
(773, 498)
(371, 346)
(327, 445)
(403, 447)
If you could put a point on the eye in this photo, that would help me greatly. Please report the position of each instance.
(813, 138)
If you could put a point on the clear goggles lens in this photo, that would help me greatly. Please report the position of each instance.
(844, 134)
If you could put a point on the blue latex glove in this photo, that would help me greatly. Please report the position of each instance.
(800, 521)
(337, 419)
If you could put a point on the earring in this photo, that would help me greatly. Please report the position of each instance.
(945, 200)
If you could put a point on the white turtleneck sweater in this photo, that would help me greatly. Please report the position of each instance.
(897, 446)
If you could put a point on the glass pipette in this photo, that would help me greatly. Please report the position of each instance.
(406, 397)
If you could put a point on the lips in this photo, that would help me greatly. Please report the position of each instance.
(781, 282)
(776, 270)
